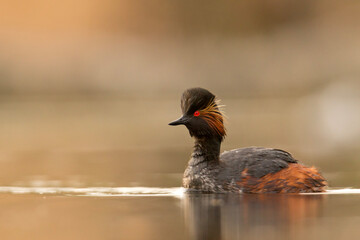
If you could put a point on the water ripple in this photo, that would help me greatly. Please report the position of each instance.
(125, 191)
(97, 191)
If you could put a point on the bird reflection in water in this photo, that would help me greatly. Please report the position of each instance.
(249, 216)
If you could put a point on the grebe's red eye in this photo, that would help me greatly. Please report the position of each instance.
(196, 113)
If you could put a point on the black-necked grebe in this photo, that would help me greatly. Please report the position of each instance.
(249, 170)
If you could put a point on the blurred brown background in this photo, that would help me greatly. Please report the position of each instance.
(87, 87)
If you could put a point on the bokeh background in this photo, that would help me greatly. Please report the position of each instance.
(87, 87)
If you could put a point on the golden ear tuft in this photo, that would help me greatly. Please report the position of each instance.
(213, 114)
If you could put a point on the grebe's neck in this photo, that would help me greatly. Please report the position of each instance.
(206, 150)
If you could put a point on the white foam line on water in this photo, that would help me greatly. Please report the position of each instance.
(339, 191)
(96, 191)
(127, 191)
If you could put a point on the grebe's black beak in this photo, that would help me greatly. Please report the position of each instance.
(182, 120)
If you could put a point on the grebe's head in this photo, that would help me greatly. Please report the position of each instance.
(201, 114)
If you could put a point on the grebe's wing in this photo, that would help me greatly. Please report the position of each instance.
(257, 161)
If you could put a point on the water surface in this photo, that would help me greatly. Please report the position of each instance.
(160, 213)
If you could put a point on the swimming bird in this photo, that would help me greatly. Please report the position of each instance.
(247, 170)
